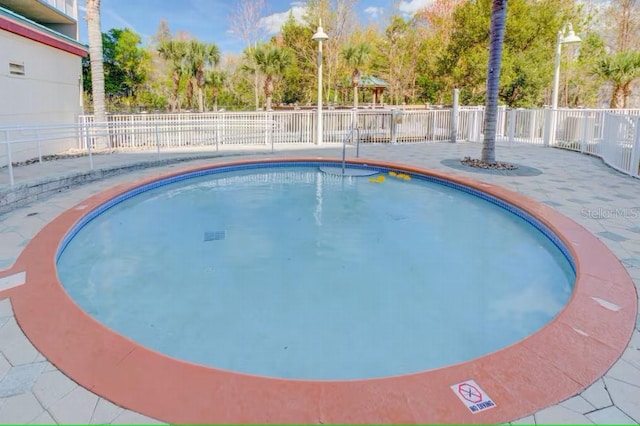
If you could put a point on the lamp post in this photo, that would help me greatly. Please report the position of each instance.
(551, 115)
(571, 38)
(319, 36)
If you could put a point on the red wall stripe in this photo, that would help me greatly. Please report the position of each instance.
(13, 27)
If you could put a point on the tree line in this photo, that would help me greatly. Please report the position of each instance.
(422, 58)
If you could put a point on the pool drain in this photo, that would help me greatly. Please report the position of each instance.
(215, 236)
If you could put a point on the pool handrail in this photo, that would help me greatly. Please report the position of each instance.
(344, 145)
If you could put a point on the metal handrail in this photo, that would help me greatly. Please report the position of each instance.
(344, 145)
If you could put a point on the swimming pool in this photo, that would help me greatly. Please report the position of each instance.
(286, 271)
(564, 357)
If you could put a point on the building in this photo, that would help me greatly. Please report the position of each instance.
(40, 67)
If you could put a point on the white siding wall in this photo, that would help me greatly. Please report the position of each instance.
(48, 92)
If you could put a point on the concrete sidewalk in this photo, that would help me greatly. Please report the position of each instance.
(602, 200)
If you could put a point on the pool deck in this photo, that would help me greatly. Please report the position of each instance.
(600, 199)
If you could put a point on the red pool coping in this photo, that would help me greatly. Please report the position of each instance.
(562, 359)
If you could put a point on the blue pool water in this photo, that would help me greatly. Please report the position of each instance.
(289, 272)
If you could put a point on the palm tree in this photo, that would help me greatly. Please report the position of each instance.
(256, 79)
(94, 34)
(174, 52)
(620, 70)
(250, 67)
(199, 56)
(272, 61)
(215, 80)
(498, 20)
(356, 56)
(634, 73)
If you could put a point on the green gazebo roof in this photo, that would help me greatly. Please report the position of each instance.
(371, 81)
(367, 81)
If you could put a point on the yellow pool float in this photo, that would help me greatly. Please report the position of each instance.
(403, 176)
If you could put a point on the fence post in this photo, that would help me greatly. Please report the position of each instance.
(512, 126)
(354, 117)
(606, 135)
(393, 126)
(79, 130)
(532, 125)
(9, 159)
(635, 150)
(501, 129)
(266, 128)
(548, 118)
(86, 128)
(216, 125)
(157, 139)
(272, 128)
(39, 146)
(434, 125)
(132, 132)
(477, 125)
(83, 133)
(454, 116)
(585, 131)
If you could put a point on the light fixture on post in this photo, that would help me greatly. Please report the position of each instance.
(570, 38)
(551, 117)
(319, 36)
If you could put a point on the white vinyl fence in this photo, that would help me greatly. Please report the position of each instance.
(609, 134)
(281, 127)
(621, 143)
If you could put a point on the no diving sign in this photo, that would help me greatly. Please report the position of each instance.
(473, 396)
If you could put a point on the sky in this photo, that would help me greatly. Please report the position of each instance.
(208, 20)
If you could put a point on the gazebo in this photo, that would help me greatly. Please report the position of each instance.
(374, 84)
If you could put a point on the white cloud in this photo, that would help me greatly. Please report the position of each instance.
(274, 22)
(412, 6)
(374, 12)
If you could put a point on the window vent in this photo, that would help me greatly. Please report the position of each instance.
(16, 69)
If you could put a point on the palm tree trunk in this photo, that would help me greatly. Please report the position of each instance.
(176, 91)
(200, 99)
(615, 96)
(498, 19)
(200, 89)
(256, 90)
(214, 96)
(268, 91)
(626, 92)
(256, 82)
(190, 85)
(94, 35)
